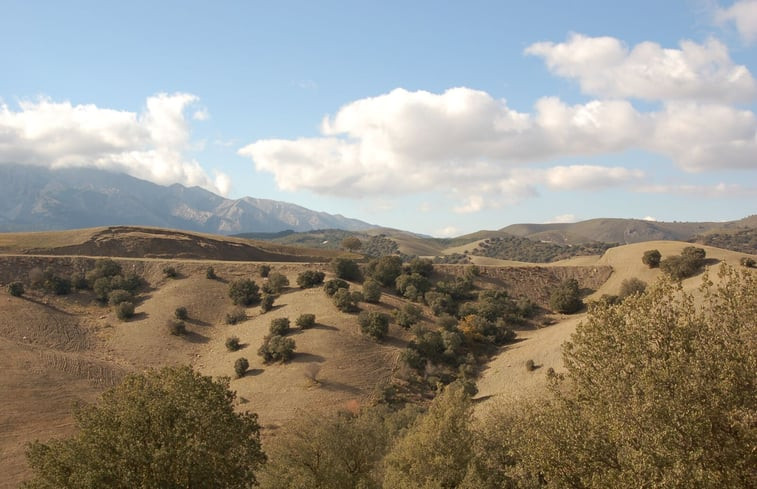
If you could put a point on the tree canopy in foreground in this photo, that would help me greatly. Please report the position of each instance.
(168, 429)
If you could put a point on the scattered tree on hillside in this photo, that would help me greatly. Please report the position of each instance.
(266, 302)
(371, 291)
(170, 272)
(385, 270)
(347, 301)
(332, 286)
(651, 258)
(631, 286)
(374, 324)
(125, 310)
(276, 348)
(305, 321)
(181, 313)
(264, 270)
(172, 429)
(244, 292)
(346, 269)
(310, 278)
(276, 283)
(210, 274)
(241, 365)
(688, 263)
(279, 326)
(566, 298)
(748, 262)
(352, 243)
(16, 289)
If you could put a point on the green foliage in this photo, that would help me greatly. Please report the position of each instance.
(351, 243)
(651, 258)
(279, 326)
(347, 301)
(310, 278)
(276, 283)
(687, 264)
(244, 292)
(346, 269)
(566, 298)
(305, 321)
(530, 365)
(236, 315)
(276, 348)
(264, 270)
(232, 343)
(631, 286)
(385, 270)
(240, 367)
(421, 266)
(104, 267)
(210, 274)
(477, 328)
(170, 271)
(408, 315)
(177, 327)
(266, 302)
(54, 284)
(102, 283)
(16, 289)
(181, 313)
(78, 281)
(125, 310)
(748, 262)
(741, 240)
(171, 429)
(658, 392)
(524, 249)
(380, 245)
(440, 303)
(374, 324)
(413, 359)
(332, 286)
(371, 291)
(436, 451)
(115, 297)
(412, 286)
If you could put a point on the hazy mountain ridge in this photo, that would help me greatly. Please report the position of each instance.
(39, 199)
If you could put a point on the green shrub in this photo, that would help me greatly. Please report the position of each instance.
(16, 289)
(530, 365)
(347, 301)
(181, 313)
(236, 315)
(412, 286)
(276, 283)
(244, 292)
(266, 303)
(78, 281)
(346, 269)
(310, 278)
(105, 267)
(279, 326)
(651, 258)
(170, 272)
(177, 327)
(264, 270)
(210, 274)
(566, 297)
(55, 284)
(371, 291)
(413, 359)
(276, 349)
(409, 315)
(688, 263)
(373, 323)
(240, 367)
(125, 310)
(748, 262)
(421, 266)
(385, 270)
(305, 321)
(101, 287)
(631, 286)
(232, 343)
(331, 286)
(115, 297)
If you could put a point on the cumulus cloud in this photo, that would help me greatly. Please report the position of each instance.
(149, 145)
(606, 67)
(744, 15)
(479, 149)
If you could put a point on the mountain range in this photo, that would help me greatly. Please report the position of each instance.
(40, 199)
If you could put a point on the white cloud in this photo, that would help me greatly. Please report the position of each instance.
(448, 232)
(588, 177)
(606, 67)
(649, 218)
(149, 145)
(562, 218)
(744, 14)
(718, 190)
(201, 115)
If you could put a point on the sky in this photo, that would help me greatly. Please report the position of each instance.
(437, 117)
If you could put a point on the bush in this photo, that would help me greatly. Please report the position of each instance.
(305, 321)
(346, 269)
(115, 297)
(373, 323)
(264, 270)
(279, 326)
(125, 310)
(78, 281)
(240, 367)
(407, 316)
(332, 286)
(232, 343)
(630, 287)
(310, 278)
(57, 285)
(413, 359)
(386, 269)
(236, 315)
(351, 243)
(177, 327)
(747, 262)
(170, 272)
(688, 263)
(566, 297)
(244, 292)
(651, 258)
(372, 291)
(16, 289)
(412, 286)
(105, 267)
(276, 283)
(276, 349)
(210, 274)
(530, 366)
(347, 301)
(181, 313)
(421, 266)
(266, 303)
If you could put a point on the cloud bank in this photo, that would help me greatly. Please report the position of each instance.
(150, 145)
(744, 15)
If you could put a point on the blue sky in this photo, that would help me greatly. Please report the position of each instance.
(436, 117)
